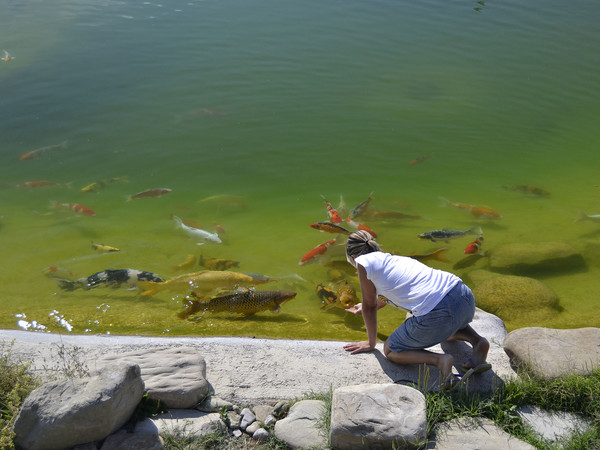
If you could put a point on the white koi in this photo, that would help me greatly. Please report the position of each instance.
(197, 233)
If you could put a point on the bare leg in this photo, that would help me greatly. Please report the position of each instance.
(443, 361)
(481, 346)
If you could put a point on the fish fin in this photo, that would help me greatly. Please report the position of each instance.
(439, 255)
(445, 201)
(275, 309)
(68, 285)
(476, 230)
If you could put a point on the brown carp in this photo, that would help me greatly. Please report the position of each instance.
(204, 282)
(246, 302)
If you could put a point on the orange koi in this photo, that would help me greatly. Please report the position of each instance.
(419, 159)
(329, 227)
(155, 192)
(41, 183)
(219, 228)
(37, 153)
(318, 250)
(334, 216)
(79, 209)
(479, 212)
(189, 261)
(360, 226)
(475, 247)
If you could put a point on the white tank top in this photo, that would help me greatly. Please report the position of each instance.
(407, 283)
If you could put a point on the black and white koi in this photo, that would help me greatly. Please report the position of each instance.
(114, 278)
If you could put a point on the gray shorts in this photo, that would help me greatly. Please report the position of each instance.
(454, 312)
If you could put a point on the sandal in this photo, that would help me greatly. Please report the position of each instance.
(470, 368)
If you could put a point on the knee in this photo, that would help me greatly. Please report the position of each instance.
(386, 349)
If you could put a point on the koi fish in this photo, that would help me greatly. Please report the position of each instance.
(204, 282)
(79, 209)
(104, 248)
(187, 263)
(446, 235)
(231, 200)
(217, 263)
(475, 247)
(318, 250)
(360, 226)
(37, 153)
(360, 209)
(334, 216)
(246, 302)
(328, 296)
(100, 184)
(197, 233)
(418, 160)
(329, 227)
(528, 189)
(478, 212)
(155, 192)
(7, 56)
(583, 216)
(42, 183)
(57, 272)
(114, 278)
(437, 255)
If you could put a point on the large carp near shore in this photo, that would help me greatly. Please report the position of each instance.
(252, 121)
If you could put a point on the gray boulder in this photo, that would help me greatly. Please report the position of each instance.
(175, 376)
(552, 353)
(66, 413)
(514, 298)
(300, 429)
(378, 416)
(473, 433)
(538, 257)
(552, 425)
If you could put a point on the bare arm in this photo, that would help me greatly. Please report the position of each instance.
(370, 305)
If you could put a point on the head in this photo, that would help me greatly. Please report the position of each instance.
(360, 243)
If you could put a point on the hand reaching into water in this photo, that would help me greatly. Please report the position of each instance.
(356, 309)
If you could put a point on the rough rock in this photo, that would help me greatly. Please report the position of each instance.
(472, 433)
(261, 435)
(248, 417)
(66, 413)
(535, 258)
(552, 425)
(512, 297)
(132, 441)
(300, 429)
(262, 412)
(214, 404)
(176, 376)
(182, 422)
(378, 415)
(552, 353)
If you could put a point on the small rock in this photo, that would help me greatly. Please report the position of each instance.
(262, 411)
(237, 433)
(250, 429)
(261, 435)
(247, 418)
(269, 421)
(234, 420)
(281, 409)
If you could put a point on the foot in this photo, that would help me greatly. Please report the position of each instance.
(445, 364)
(479, 356)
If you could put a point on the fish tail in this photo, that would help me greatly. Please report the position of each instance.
(582, 216)
(178, 222)
(445, 201)
(476, 230)
(68, 285)
(440, 255)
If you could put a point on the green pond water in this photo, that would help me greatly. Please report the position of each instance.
(249, 111)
